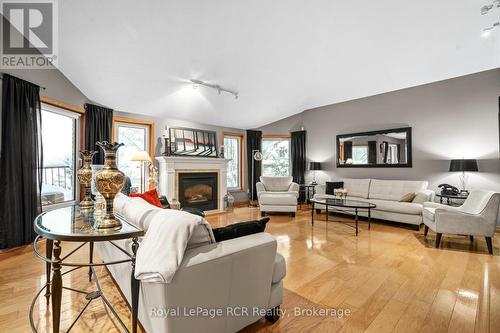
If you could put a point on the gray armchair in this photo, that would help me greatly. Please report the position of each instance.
(476, 217)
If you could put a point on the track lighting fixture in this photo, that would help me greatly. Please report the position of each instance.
(486, 8)
(219, 89)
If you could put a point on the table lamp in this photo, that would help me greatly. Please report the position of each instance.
(314, 166)
(141, 156)
(463, 166)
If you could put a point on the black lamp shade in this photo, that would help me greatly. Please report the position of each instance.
(314, 166)
(463, 165)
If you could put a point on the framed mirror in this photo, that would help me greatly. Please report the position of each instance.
(389, 148)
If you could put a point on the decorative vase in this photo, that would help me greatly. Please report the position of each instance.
(85, 178)
(109, 181)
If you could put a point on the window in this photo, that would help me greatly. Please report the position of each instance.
(276, 156)
(60, 144)
(232, 150)
(360, 155)
(135, 135)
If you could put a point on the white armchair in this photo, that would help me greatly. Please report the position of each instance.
(277, 194)
(476, 217)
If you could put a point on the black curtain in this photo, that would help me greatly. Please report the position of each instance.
(98, 126)
(372, 152)
(298, 156)
(347, 150)
(21, 161)
(386, 150)
(254, 142)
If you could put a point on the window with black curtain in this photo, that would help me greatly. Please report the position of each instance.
(20, 161)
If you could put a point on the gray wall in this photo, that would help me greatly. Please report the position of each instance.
(450, 119)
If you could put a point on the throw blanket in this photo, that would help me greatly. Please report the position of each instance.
(161, 251)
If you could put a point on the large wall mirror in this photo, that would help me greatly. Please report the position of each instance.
(377, 149)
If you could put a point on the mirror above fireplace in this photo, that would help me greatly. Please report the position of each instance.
(389, 148)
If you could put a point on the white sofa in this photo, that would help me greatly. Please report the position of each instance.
(241, 273)
(476, 217)
(385, 194)
(277, 194)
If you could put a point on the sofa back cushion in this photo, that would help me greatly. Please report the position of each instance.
(394, 189)
(356, 187)
(276, 184)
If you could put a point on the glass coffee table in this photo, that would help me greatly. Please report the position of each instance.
(346, 206)
(69, 224)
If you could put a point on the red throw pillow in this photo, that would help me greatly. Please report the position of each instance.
(150, 196)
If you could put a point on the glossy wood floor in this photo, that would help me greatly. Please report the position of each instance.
(390, 278)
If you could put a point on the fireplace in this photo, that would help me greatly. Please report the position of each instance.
(198, 189)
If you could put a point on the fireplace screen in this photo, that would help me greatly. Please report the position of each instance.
(198, 193)
(198, 189)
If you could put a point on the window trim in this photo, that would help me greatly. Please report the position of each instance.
(140, 122)
(241, 136)
(275, 137)
(77, 116)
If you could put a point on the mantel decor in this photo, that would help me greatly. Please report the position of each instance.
(85, 178)
(390, 148)
(192, 142)
(109, 181)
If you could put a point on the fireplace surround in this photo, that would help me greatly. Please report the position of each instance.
(172, 167)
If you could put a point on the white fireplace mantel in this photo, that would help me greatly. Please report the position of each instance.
(169, 166)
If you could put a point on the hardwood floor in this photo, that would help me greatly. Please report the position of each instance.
(390, 278)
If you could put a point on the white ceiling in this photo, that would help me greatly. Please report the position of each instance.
(282, 56)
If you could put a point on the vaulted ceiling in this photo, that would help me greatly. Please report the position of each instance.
(282, 56)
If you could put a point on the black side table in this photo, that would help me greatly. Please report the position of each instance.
(450, 199)
(72, 225)
(309, 190)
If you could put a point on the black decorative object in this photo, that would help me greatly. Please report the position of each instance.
(391, 148)
(193, 142)
(20, 161)
(298, 157)
(98, 126)
(254, 144)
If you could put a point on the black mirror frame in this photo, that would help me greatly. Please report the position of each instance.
(408, 164)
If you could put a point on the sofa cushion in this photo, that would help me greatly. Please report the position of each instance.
(332, 186)
(150, 196)
(394, 189)
(278, 199)
(279, 269)
(410, 208)
(276, 184)
(356, 187)
(240, 229)
(429, 213)
(408, 197)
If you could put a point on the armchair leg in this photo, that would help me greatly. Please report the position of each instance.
(489, 244)
(273, 315)
(471, 238)
(318, 211)
(293, 214)
(262, 214)
(438, 239)
(426, 230)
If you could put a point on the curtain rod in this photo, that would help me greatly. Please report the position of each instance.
(43, 88)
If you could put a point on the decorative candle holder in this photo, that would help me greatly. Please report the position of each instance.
(85, 178)
(109, 181)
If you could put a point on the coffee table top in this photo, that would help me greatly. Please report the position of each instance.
(452, 196)
(348, 203)
(69, 224)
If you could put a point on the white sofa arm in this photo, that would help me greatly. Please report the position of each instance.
(260, 188)
(320, 189)
(431, 204)
(294, 188)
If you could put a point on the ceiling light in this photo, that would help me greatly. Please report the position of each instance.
(215, 86)
(488, 31)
